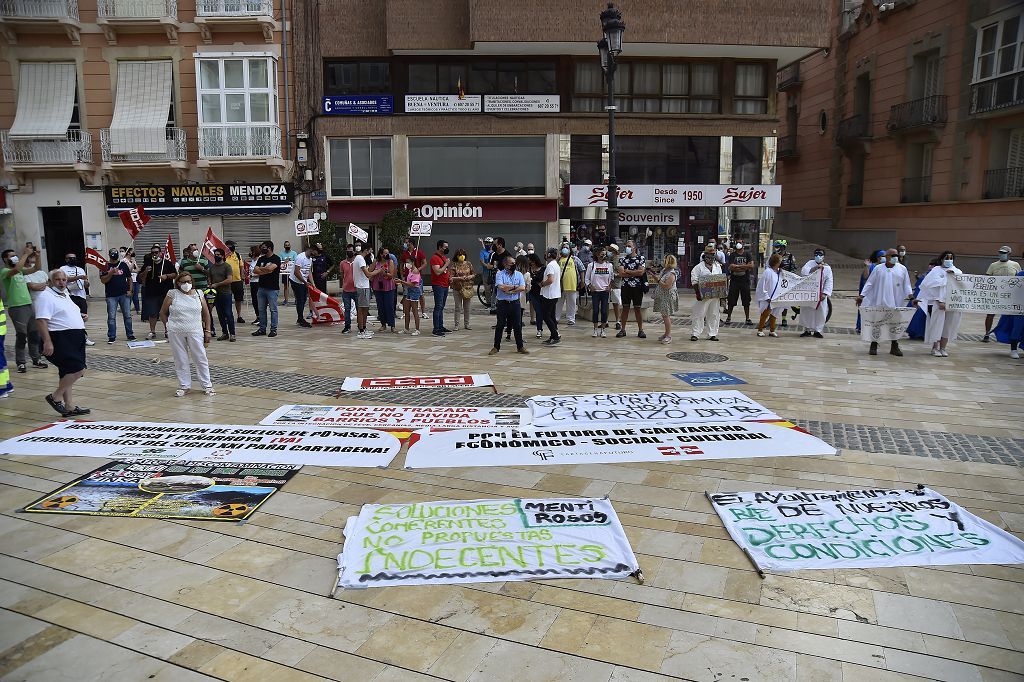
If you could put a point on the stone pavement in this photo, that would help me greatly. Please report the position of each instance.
(127, 599)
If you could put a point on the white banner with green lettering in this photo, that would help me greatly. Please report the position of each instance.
(798, 529)
(472, 541)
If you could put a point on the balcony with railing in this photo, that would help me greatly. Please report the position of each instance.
(787, 148)
(788, 78)
(137, 16)
(47, 16)
(235, 15)
(1004, 183)
(998, 93)
(75, 150)
(239, 142)
(916, 190)
(143, 146)
(853, 130)
(918, 114)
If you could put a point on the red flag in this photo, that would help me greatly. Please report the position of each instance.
(94, 258)
(326, 310)
(168, 253)
(212, 242)
(134, 219)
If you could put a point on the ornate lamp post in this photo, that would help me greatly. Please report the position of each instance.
(609, 47)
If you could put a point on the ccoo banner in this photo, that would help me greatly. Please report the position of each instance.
(438, 381)
(611, 444)
(475, 541)
(796, 529)
(986, 294)
(678, 407)
(127, 441)
(403, 418)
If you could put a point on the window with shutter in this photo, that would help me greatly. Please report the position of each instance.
(1015, 164)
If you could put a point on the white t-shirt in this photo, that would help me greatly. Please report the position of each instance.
(553, 290)
(59, 310)
(300, 273)
(359, 277)
(37, 277)
(76, 288)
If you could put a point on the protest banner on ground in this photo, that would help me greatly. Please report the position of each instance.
(799, 529)
(129, 441)
(677, 407)
(795, 289)
(985, 294)
(398, 418)
(475, 541)
(162, 489)
(884, 324)
(574, 444)
(438, 381)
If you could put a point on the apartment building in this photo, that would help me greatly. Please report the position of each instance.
(909, 129)
(489, 118)
(114, 104)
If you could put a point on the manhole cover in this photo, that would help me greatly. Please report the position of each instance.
(698, 357)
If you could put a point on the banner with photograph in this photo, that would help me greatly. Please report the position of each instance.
(471, 541)
(128, 441)
(985, 294)
(575, 444)
(677, 407)
(796, 289)
(398, 417)
(436, 381)
(798, 529)
(884, 324)
(162, 489)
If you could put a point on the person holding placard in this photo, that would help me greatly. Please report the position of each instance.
(189, 329)
(813, 317)
(767, 287)
(942, 325)
(1011, 330)
(1004, 267)
(287, 263)
(888, 286)
(706, 310)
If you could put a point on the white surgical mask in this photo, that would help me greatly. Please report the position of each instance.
(894, 259)
(629, 250)
(903, 253)
(14, 260)
(819, 259)
(1004, 257)
(947, 264)
(186, 287)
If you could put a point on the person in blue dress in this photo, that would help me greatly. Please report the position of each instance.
(1011, 330)
(915, 329)
(874, 259)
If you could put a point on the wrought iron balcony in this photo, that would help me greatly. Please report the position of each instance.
(853, 129)
(39, 9)
(137, 9)
(239, 141)
(76, 148)
(1004, 183)
(927, 112)
(916, 190)
(234, 8)
(999, 93)
(143, 145)
(788, 78)
(787, 148)
(855, 194)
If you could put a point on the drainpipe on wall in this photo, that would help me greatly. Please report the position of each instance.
(287, 95)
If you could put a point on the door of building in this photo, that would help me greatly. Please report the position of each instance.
(62, 234)
(698, 234)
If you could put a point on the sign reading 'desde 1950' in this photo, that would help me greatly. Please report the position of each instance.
(678, 195)
(157, 198)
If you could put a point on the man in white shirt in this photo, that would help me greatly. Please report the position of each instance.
(61, 326)
(888, 286)
(813, 317)
(300, 278)
(1004, 267)
(361, 278)
(705, 308)
(78, 286)
(550, 292)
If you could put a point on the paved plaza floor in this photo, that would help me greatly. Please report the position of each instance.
(134, 599)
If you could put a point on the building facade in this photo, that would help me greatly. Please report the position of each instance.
(909, 129)
(116, 104)
(489, 119)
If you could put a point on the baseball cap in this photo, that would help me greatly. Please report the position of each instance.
(488, 240)
(613, 247)
(819, 252)
(1005, 249)
(588, 242)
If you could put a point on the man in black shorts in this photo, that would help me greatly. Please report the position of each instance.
(739, 265)
(238, 284)
(633, 269)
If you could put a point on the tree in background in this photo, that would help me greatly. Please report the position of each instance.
(394, 227)
(333, 236)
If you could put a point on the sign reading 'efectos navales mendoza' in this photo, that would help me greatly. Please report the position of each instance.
(157, 198)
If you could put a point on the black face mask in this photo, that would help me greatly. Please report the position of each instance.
(350, 254)
(446, 250)
(218, 259)
(71, 261)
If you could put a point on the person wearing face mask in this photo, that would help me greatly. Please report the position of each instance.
(767, 288)
(157, 277)
(569, 300)
(901, 253)
(598, 279)
(419, 260)
(550, 292)
(1011, 327)
(412, 280)
(615, 292)
(348, 287)
(61, 325)
(195, 264)
(268, 269)
(462, 283)
(189, 329)
(382, 281)
(19, 305)
(117, 279)
(234, 261)
(888, 286)
(440, 280)
(705, 308)
(487, 271)
(287, 263)
(254, 282)
(739, 265)
(498, 254)
(1004, 267)
(812, 317)
(509, 283)
(78, 286)
(530, 249)
(5, 374)
(300, 278)
(942, 324)
(222, 279)
(633, 270)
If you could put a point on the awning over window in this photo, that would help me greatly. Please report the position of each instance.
(46, 100)
(141, 108)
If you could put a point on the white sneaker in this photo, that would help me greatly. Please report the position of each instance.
(1015, 354)
(945, 353)
(423, 316)
(150, 336)
(773, 334)
(210, 391)
(602, 333)
(90, 342)
(180, 392)
(936, 353)
(369, 334)
(540, 335)
(415, 332)
(596, 333)
(760, 333)
(361, 335)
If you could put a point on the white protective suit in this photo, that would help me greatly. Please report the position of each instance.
(812, 317)
(941, 324)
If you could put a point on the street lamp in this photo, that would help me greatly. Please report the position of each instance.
(609, 48)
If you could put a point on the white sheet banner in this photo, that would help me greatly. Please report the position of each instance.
(986, 294)
(798, 529)
(613, 444)
(794, 288)
(126, 441)
(884, 324)
(390, 417)
(436, 381)
(678, 407)
(474, 541)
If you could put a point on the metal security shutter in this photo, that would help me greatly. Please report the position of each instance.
(246, 232)
(155, 232)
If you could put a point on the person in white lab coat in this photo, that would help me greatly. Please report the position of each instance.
(942, 325)
(767, 287)
(705, 309)
(888, 286)
(812, 317)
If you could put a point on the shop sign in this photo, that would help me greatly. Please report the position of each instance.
(361, 105)
(442, 104)
(648, 217)
(522, 104)
(447, 211)
(158, 199)
(678, 195)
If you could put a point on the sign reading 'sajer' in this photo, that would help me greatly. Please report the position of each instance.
(483, 541)
(437, 381)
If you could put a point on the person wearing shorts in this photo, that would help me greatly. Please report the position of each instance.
(633, 270)
(361, 278)
(412, 280)
(61, 325)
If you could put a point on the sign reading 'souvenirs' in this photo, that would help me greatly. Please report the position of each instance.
(156, 198)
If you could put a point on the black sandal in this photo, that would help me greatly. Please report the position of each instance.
(57, 405)
(78, 412)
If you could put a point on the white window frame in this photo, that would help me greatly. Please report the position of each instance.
(246, 90)
(330, 166)
(999, 21)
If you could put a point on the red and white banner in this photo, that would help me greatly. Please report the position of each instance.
(168, 253)
(398, 417)
(134, 219)
(437, 381)
(649, 196)
(326, 310)
(212, 242)
(94, 258)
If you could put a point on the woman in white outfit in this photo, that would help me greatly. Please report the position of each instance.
(767, 287)
(189, 329)
(942, 326)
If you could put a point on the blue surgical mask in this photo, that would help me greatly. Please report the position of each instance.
(565, 252)
(628, 250)
(819, 259)
(1004, 257)
(947, 263)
